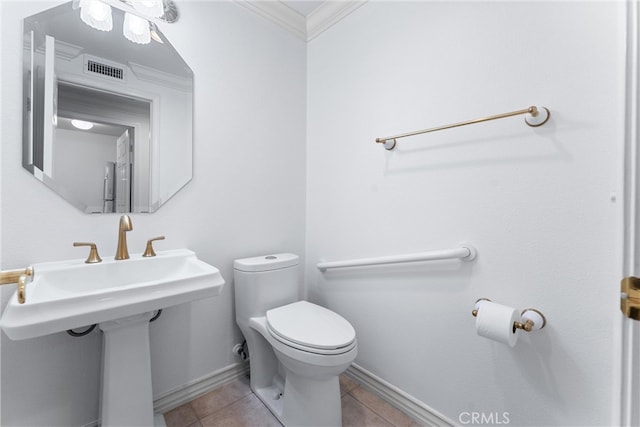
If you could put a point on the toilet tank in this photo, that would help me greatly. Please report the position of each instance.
(264, 282)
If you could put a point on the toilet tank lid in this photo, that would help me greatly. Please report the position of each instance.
(266, 262)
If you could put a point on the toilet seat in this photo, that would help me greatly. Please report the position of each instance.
(312, 328)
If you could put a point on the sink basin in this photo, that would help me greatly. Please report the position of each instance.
(120, 296)
(71, 294)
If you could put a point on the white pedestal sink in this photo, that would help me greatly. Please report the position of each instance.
(120, 296)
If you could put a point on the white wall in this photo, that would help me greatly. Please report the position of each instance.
(95, 150)
(247, 197)
(537, 203)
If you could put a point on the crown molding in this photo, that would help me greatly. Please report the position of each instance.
(318, 21)
(280, 14)
(328, 14)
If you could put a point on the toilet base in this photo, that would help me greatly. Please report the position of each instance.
(312, 402)
(304, 401)
(311, 392)
(272, 397)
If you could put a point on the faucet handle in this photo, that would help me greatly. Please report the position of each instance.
(149, 250)
(93, 253)
(22, 289)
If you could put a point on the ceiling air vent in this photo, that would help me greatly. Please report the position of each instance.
(105, 69)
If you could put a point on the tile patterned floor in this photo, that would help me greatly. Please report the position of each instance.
(234, 405)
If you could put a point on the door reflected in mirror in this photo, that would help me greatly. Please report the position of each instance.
(107, 122)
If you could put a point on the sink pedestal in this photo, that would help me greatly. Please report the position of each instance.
(127, 396)
(120, 296)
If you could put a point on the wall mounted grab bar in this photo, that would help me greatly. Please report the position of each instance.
(465, 252)
(537, 117)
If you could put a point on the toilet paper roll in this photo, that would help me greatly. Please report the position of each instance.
(495, 321)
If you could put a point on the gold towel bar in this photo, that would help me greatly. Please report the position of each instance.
(538, 118)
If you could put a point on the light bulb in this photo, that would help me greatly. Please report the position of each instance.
(81, 124)
(136, 29)
(150, 8)
(96, 14)
(155, 35)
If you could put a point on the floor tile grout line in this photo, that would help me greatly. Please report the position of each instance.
(373, 409)
(221, 408)
(348, 392)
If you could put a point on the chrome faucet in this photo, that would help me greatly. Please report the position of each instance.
(125, 225)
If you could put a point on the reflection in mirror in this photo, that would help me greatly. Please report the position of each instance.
(107, 122)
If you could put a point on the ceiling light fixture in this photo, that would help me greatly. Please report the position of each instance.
(136, 29)
(81, 124)
(96, 14)
(151, 8)
(154, 33)
(139, 16)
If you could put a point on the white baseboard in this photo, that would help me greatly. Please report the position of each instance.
(196, 388)
(394, 396)
(192, 390)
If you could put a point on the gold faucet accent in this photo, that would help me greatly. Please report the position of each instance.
(12, 276)
(149, 252)
(93, 252)
(22, 289)
(21, 277)
(125, 225)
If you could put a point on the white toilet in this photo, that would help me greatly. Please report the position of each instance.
(297, 349)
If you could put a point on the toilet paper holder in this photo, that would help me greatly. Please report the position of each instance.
(532, 319)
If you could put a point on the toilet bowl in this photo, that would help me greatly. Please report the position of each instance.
(297, 348)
